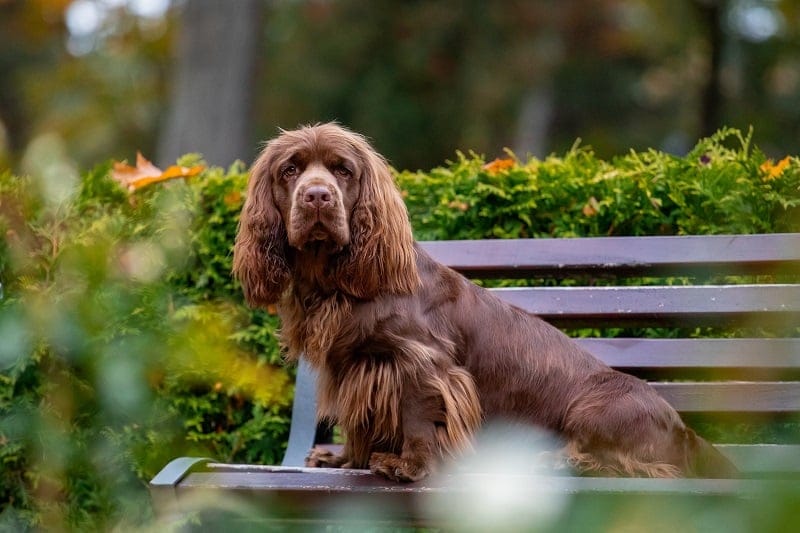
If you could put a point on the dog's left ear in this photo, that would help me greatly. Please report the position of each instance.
(381, 255)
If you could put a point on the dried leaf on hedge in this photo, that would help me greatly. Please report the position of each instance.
(773, 170)
(498, 165)
(592, 207)
(146, 173)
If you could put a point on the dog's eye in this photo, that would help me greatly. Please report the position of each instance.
(342, 171)
(289, 171)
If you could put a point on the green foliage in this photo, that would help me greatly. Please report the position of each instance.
(722, 186)
(125, 342)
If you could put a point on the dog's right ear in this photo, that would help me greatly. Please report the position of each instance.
(260, 252)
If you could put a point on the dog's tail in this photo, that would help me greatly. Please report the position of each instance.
(704, 460)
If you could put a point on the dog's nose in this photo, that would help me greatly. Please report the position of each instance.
(317, 196)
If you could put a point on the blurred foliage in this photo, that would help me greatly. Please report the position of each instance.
(422, 79)
(126, 343)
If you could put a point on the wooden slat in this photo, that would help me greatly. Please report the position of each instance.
(748, 458)
(194, 471)
(760, 459)
(713, 305)
(733, 397)
(225, 498)
(744, 354)
(621, 256)
(362, 481)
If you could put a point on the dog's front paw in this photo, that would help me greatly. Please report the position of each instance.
(396, 468)
(320, 457)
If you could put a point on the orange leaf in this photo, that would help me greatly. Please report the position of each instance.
(773, 170)
(146, 173)
(461, 206)
(233, 199)
(591, 208)
(498, 165)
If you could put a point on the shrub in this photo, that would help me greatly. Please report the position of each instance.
(722, 186)
(125, 342)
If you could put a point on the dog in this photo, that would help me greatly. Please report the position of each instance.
(412, 357)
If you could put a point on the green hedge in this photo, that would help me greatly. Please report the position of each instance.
(126, 343)
(722, 186)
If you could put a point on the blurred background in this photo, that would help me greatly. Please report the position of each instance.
(85, 80)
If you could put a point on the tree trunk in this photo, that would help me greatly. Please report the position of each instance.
(533, 125)
(213, 86)
(711, 15)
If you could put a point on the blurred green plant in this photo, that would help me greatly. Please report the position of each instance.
(126, 343)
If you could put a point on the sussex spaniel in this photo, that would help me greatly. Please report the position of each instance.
(412, 357)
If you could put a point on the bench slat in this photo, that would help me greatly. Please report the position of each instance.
(748, 458)
(743, 354)
(735, 397)
(763, 458)
(305, 497)
(355, 481)
(621, 256)
(709, 305)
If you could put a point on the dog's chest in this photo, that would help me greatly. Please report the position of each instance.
(362, 397)
(315, 328)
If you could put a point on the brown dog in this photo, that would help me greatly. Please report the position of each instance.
(412, 357)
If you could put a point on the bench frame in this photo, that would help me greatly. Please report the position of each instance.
(757, 379)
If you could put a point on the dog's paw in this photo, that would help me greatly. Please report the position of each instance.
(321, 458)
(396, 468)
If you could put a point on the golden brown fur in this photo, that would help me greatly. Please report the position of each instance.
(412, 357)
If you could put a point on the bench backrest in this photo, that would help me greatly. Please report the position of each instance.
(743, 291)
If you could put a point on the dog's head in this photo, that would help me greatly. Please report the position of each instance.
(323, 190)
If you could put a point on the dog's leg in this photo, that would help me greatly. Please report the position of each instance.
(321, 457)
(416, 458)
(439, 419)
(418, 451)
(611, 463)
(414, 463)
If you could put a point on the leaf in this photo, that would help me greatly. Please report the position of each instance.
(591, 208)
(498, 165)
(773, 170)
(146, 173)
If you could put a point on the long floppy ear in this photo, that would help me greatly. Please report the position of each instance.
(381, 256)
(260, 251)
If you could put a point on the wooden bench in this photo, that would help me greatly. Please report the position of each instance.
(743, 385)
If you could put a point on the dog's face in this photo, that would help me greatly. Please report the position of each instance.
(323, 189)
(315, 186)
